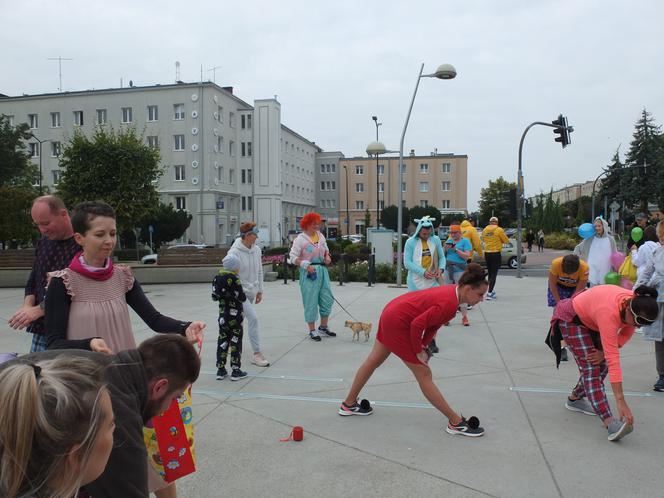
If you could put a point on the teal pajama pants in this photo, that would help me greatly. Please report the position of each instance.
(316, 294)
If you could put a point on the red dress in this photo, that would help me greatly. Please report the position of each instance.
(409, 322)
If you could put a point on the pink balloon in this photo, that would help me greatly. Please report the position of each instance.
(626, 283)
(617, 259)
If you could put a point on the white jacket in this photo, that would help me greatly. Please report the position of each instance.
(251, 267)
(642, 256)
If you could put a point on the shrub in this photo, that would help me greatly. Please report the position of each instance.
(276, 250)
(560, 240)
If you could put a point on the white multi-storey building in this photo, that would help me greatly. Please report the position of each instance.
(224, 160)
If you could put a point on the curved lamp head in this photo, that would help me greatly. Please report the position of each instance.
(375, 148)
(445, 72)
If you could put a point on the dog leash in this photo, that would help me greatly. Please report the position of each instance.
(342, 307)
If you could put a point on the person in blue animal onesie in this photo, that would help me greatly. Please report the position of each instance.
(424, 258)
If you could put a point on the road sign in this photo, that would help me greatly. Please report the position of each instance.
(614, 206)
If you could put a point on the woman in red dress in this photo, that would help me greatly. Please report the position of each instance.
(407, 325)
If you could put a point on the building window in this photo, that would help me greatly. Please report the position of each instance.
(424, 186)
(55, 120)
(322, 168)
(153, 113)
(334, 185)
(181, 203)
(447, 186)
(55, 149)
(153, 141)
(446, 204)
(56, 176)
(322, 185)
(11, 120)
(359, 227)
(220, 144)
(381, 205)
(381, 169)
(231, 148)
(359, 187)
(249, 149)
(243, 175)
(249, 176)
(447, 168)
(101, 116)
(424, 168)
(403, 186)
(231, 119)
(34, 149)
(403, 168)
(220, 114)
(244, 202)
(359, 204)
(231, 176)
(424, 203)
(33, 119)
(333, 168)
(179, 142)
(78, 118)
(127, 115)
(179, 172)
(250, 203)
(359, 169)
(381, 187)
(178, 111)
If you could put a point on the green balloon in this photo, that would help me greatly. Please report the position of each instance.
(612, 278)
(637, 234)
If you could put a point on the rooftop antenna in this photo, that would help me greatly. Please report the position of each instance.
(59, 59)
(214, 73)
(201, 73)
(177, 71)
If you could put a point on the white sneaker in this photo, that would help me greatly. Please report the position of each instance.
(259, 360)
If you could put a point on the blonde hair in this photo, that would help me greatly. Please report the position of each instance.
(48, 407)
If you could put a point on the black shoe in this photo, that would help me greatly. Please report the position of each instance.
(659, 385)
(470, 427)
(315, 336)
(433, 348)
(221, 373)
(361, 408)
(238, 374)
(327, 331)
(563, 354)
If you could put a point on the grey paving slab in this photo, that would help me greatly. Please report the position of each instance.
(498, 369)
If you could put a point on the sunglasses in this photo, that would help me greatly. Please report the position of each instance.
(640, 320)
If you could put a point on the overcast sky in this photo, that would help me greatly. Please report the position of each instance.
(333, 65)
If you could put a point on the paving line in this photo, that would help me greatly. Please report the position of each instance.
(555, 390)
(248, 395)
(284, 377)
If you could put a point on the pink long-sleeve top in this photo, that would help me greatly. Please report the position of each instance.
(599, 309)
(304, 250)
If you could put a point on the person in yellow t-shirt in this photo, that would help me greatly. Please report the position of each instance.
(493, 237)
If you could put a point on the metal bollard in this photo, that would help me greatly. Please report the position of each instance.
(286, 268)
(371, 273)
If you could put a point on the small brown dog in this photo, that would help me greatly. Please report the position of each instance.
(358, 327)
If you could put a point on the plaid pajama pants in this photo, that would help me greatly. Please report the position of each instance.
(591, 382)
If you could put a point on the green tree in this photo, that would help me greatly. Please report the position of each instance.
(18, 174)
(418, 212)
(646, 157)
(116, 167)
(367, 222)
(169, 224)
(495, 201)
(389, 217)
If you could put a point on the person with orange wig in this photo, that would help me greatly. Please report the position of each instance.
(311, 254)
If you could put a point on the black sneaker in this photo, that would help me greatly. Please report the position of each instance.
(238, 374)
(563, 354)
(470, 427)
(327, 331)
(433, 348)
(221, 373)
(659, 385)
(315, 336)
(361, 408)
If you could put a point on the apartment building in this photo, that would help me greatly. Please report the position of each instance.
(327, 183)
(224, 160)
(438, 180)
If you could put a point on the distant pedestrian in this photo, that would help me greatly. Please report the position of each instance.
(540, 240)
(54, 251)
(640, 221)
(530, 238)
(642, 254)
(494, 237)
(310, 252)
(227, 290)
(597, 251)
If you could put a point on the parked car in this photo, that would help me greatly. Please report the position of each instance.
(151, 259)
(354, 238)
(507, 255)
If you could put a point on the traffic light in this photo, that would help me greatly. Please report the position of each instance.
(563, 130)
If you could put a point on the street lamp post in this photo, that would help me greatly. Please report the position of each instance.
(444, 72)
(41, 187)
(347, 207)
(375, 118)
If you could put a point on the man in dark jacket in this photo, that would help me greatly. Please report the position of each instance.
(142, 383)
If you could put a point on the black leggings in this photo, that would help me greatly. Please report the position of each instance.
(492, 266)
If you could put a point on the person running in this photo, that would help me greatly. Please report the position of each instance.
(567, 275)
(424, 258)
(407, 325)
(595, 324)
(494, 237)
(310, 252)
(457, 251)
(56, 426)
(653, 275)
(597, 251)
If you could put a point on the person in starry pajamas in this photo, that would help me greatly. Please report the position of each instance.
(227, 290)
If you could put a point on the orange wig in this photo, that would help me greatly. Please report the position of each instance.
(309, 219)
